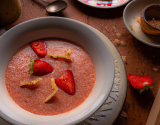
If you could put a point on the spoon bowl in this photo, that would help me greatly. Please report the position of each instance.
(56, 6)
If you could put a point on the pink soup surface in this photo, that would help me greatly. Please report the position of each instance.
(32, 100)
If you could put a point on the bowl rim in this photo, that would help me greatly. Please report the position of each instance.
(4, 116)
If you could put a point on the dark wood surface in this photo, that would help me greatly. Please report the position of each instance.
(141, 59)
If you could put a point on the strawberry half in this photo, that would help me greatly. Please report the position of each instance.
(39, 47)
(39, 67)
(140, 82)
(66, 82)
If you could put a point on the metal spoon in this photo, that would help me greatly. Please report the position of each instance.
(56, 6)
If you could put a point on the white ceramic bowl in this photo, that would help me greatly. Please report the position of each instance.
(65, 28)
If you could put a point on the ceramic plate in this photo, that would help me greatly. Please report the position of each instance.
(130, 16)
(104, 3)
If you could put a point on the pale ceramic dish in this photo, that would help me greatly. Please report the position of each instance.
(104, 4)
(130, 13)
(65, 28)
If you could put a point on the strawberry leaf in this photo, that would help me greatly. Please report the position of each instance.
(149, 91)
(31, 66)
(147, 87)
(142, 90)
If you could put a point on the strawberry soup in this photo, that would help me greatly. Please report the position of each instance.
(33, 99)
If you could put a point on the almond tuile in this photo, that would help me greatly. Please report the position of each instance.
(55, 88)
(30, 83)
(67, 56)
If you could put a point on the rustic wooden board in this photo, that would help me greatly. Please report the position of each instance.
(154, 115)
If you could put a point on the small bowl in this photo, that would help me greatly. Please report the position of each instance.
(150, 13)
(75, 31)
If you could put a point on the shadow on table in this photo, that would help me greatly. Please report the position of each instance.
(39, 3)
(152, 54)
(60, 14)
(97, 12)
(141, 102)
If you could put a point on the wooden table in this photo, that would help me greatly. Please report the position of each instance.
(141, 59)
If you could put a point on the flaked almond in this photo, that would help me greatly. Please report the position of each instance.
(155, 69)
(123, 115)
(116, 42)
(107, 29)
(118, 35)
(130, 26)
(124, 58)
(123, 43)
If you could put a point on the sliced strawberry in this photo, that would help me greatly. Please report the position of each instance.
(66, 82)
(39, 47)
(39, 67)
(140, 82)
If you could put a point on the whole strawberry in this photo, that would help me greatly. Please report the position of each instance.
(140, 82)
(39, 67)
(39, 47)
(66, 82)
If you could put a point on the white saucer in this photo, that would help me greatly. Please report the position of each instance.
(111, 108)
(104, 4)
(132, 11)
